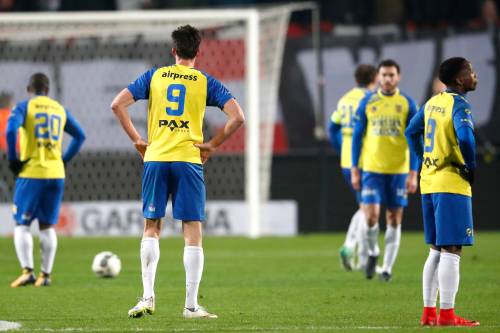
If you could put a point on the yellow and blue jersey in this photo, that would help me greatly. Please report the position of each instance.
(41, 121)
(378, 136)
(343, 119)
(178, 96)
(445, 123)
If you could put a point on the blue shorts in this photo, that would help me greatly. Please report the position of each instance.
(386, 189)
(37, 199)
(447, 219)
(183, 181)
(347, 177)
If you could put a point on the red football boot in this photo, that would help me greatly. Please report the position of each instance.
(447, 317)
(429, 317)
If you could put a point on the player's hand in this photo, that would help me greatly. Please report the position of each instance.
(141, 146)
(411, 182)
(465, 172)
(355, 179)
(16, 166)
(206, 150)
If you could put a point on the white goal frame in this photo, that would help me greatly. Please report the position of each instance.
(251, 18)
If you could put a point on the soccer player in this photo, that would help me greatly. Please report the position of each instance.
(40, 174)
(340, 128)
(173, 157)
(448, 161)
(379, 139)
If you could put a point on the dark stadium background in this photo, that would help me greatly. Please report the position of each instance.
(305, 168)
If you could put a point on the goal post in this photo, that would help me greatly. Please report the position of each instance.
(69, 43)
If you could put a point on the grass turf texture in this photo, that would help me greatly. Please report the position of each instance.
(271, 284)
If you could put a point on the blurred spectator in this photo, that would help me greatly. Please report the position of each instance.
(490, 13)
(435, 13)
(79, 5)
(6, 105)
(29, 5)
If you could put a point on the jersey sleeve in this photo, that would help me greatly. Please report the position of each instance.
(413, 133)
(78, 137)
(16, 120)
(412, 111)
(140, 87)
(462, 114)
(412, 108)
(464, 130)
(359, 130)
(217, 93)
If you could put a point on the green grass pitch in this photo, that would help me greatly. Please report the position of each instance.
(265, 285)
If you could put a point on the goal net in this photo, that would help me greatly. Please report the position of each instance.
(90, 57)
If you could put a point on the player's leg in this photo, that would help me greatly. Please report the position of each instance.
(396, 200)
(155, 194)
(362, 250)
(372, 213)
(454, 229)
(25, 204)
(48, 216)
(346, 252)
(392, 239)
(188, 202)
(150, 255)
(430, 271)
(371, 197)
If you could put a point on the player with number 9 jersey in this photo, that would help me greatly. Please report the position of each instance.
(173, 156)
(177, 97)
(442, 135)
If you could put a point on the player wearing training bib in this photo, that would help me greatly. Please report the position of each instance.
(340, 129)
(442, 133)
(40, 174)
(173, 157)
(379, 139)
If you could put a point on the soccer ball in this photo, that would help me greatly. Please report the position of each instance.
(106, 264)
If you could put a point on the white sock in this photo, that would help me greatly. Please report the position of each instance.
(23, 242)
(392, 241)
(48, 248)
(449, 276)
(150, 255)
(362, 241)
(371, 237)
(193, 264)
(351, 238)
(430, 278)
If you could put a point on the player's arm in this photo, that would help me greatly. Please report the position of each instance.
(15, 121)
(335, 131)
(412, 179)
(414, 132)
(78, 137)
(235, 120)
(138, 89)
(218, 95)
(464, 130)
(357, 139)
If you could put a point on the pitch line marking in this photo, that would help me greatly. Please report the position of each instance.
(9, 325)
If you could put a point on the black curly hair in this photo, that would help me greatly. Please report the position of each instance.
(450, 68)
